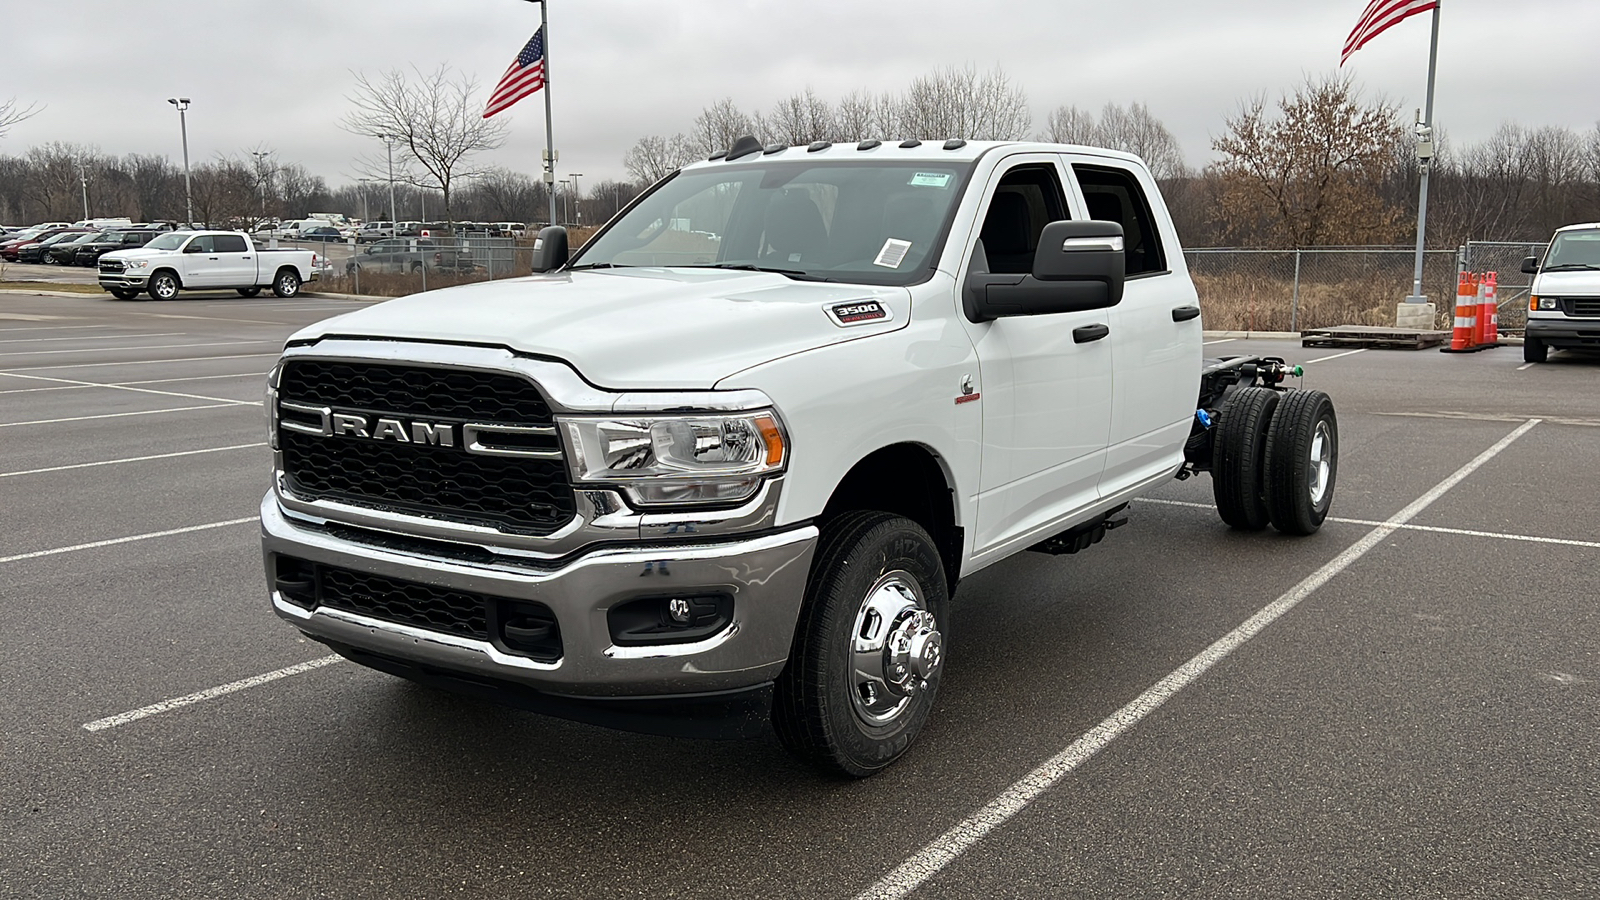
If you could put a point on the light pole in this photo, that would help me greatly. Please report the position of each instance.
(262, 171)
(83, 178)
(577, 196)
(566, 198)
(366, 214)
(388, 143)
(182, 103)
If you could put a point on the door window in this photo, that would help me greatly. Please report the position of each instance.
(1027, 198)
(230, 243)
(1113, 195)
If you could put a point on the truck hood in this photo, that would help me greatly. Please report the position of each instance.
(139, 253)
(1562, 284)
(633, 329)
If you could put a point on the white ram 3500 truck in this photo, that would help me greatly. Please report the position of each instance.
(728, 462)
(206, 260)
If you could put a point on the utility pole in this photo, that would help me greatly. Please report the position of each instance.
(388, 142)
(566, 198)
(577, 197)
(1425, 133)
(550, 155)
(182, 104)
(262, 175)
(83, 178)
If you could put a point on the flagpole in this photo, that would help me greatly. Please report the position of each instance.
(1424, 163)
(549, 128)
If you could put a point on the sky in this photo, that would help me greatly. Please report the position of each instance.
(278, 74)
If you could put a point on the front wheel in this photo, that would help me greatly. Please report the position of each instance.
(287, 284)
(1534, 350)
(868, 651)
(248, 292)
(164, 286)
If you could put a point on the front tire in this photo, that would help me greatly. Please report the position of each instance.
(1302, 462)
(287, 284)
(1534, 350)
(868, 653)
(1239, 463)
(248, 292)
(164, 286)
(121, 294)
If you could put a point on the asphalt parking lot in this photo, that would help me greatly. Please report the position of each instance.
(1403, 705)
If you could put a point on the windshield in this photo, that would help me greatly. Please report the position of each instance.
(863, 222)
(172, 240)
(1574, 250)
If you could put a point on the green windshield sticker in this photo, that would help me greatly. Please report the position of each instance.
(931, 179)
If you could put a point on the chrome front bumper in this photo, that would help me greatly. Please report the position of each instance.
(766, 576)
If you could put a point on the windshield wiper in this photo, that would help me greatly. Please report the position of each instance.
(1591, 267)
(597, 265)
(747, 267)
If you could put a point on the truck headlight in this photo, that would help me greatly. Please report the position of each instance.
(1546, 303)
(138, 263)
(678, 459)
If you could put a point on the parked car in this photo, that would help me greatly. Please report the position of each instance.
(8, 249)
(511, 229)
(190, 260)
(374, 231)
(323, 233)
(398, 256)
(89, 253)
(1564, 306)
(65, 248)
(34, 251)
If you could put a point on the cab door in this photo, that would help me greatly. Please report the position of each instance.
(1156, 371)
(1046, 386)
(234, 261)
(198, 264)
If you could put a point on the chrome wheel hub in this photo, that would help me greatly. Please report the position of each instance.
(896, 649)
(1321, 461)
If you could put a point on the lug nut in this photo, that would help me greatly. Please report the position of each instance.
(678, 609)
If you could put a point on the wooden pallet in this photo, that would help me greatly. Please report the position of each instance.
(1375, 337)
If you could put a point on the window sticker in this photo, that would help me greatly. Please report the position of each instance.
(893, 253)
(930, 179)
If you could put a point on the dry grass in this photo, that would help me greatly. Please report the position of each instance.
(51, 286)
(1238, 302)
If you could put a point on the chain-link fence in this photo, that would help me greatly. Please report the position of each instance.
(1505, 260)
(1291, 290)
(394, 267)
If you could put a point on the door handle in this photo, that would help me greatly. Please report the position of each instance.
(213, 258)
(1185, 313)
(1083, 334)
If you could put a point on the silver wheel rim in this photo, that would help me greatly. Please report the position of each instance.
(165, 289)
(1321, 461)
(286, 284)
(895, 649)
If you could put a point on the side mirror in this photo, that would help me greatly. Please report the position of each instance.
(550, 249)
(1077, 266)
(192, 247)
(1530, 265)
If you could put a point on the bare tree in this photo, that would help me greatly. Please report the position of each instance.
(800, 119)
(435, 120)
(1070, 125)
(964, 103)
(1136, 131)
(654, 158)
(1308, 175)
(718, 126)
(11, 113)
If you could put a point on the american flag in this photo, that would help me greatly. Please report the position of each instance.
(524, 77)
(1380, 15)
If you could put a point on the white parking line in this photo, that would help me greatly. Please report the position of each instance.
(137, 362)
(1526, 366)
(136, 390)
(1222, 341)
(1437, 529)
(142, 412)
(944, 850)
(32, 328)
(125, 540)
(144, 712)
(152, 347)
(1335, 356)
(130, 459)
(97, 337)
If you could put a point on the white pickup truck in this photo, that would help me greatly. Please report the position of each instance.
(206, 260)
(698, 478)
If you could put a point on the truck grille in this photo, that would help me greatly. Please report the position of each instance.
(1584, 308)
(514, 495)
(112, 266)
(464, 614)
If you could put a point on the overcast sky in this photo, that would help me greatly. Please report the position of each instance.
(278, 73)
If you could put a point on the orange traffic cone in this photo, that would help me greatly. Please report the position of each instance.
(1488, 312)
(1462, 339)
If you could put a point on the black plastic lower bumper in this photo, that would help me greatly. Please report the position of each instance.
(727, 715)
(1565, 333)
